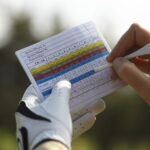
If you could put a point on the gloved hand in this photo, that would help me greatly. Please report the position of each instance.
(38, 121)
(83, 115)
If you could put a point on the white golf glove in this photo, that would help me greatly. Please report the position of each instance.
(38, 121)
(83, 116)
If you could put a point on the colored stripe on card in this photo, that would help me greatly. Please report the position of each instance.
(40, 76)
(67, 61)
(83, 62)
(66, 57)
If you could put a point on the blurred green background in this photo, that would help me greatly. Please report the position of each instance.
(124, 125)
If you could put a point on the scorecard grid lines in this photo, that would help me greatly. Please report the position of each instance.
(70, 55)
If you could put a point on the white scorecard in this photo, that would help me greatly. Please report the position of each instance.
(70, 55)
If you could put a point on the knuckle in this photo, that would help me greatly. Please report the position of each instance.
(125, 69)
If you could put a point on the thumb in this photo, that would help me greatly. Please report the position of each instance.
(62, 91)
(130, 74)
(58, 101)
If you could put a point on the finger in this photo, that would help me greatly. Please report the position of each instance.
(130, 74)
(97, 107)
(133, 39)
(83, 124)
(94, 107)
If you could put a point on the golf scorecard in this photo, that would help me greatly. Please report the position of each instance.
(70, 55)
